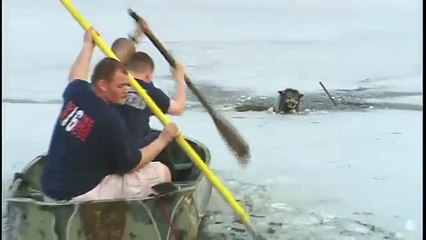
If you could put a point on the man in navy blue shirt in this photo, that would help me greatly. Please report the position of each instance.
(136, 113)
(91, 154)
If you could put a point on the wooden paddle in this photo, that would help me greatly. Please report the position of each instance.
(234, 140)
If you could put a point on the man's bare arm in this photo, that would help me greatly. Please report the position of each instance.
(81, 66)
(177, 106)
(150, 151)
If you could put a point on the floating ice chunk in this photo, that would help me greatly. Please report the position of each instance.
(305, 220)
(356, 227)
(399, 235)
(279, 206)
(409, 225)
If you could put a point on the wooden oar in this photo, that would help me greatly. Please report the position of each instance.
(233, 139)
(213, 179)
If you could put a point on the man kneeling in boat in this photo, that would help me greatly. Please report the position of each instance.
(91, 155)
(135, 112)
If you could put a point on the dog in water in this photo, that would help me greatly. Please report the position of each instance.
(289, 101)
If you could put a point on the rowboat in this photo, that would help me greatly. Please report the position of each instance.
(174, 214)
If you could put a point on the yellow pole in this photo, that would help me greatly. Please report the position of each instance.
(226, 194)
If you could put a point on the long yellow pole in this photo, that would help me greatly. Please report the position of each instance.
(164, 120)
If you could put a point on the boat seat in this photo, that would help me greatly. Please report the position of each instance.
(183, 165)
(177, 161)
(181, 184)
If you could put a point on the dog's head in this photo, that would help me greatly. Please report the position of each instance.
(289, 101)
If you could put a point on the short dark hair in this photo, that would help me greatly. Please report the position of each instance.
(105, 69)
(119, 43)
(123, 48)
(140, 61)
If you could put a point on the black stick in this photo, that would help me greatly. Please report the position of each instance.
(331, 98)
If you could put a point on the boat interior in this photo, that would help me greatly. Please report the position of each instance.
(27, 184)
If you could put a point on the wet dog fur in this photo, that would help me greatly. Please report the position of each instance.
(289, 101)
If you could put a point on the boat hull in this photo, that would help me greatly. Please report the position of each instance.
(172, 215)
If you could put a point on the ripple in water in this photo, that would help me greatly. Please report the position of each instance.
(279, 220)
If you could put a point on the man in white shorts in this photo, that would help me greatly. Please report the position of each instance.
(91, 155)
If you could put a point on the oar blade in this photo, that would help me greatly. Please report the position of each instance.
(253, 233)
(233, 139)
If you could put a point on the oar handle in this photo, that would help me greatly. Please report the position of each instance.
(169, 58)
(142, 23)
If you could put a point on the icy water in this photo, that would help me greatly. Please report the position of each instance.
(351, 171)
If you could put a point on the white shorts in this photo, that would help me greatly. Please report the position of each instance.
(136, 184)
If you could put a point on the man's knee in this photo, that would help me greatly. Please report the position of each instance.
(164, 172)
(154, 172)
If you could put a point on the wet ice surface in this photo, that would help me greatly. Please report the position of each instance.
(363, 168)
(279, 220)
(341, 175)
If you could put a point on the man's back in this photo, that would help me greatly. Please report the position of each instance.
(136, 113)
(83, 149)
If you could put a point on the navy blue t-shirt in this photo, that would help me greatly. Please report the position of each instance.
(136, 113)
(90, 141)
